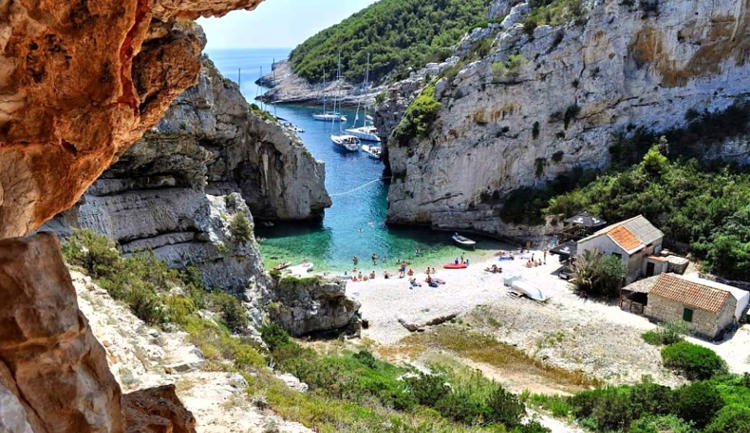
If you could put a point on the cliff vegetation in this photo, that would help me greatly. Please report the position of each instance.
(400, 35)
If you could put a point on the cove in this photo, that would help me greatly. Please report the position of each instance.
(355, 224)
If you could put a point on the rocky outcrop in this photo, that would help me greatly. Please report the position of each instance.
(286, 87)
(157, 410)
(314, 305)
(54, 375)
(547, 101)
(80, 82)
(178, 189)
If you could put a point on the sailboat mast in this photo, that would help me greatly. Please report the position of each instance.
(366, 85)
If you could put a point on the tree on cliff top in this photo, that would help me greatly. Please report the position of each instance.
(398, 34)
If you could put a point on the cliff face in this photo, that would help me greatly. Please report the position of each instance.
(60, 382)
(544, 103)
(178, 189)
(80, 82)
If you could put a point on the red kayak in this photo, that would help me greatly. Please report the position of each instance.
(281, 266)
(455, 266)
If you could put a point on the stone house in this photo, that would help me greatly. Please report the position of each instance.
(709, 308)
(636, 242)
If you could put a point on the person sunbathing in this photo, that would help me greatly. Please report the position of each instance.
(372, 275)
(410, 273)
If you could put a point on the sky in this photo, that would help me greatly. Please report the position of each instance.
(277, 23)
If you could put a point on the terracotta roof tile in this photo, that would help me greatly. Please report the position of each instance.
(624, 238)
(690, 293)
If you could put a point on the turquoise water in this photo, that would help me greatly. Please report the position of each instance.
(355, 224)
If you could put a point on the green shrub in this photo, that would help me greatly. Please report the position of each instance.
(145, 303)
(463, 406)
(240, 228)
(233, 314)
(661, 424)
(698, 403)
(505, 408)
(733, 418)
(274, 335)
(616, 407)
(428, 388)
(666, 333)
(509, 67)
(598, 274)
(695, 362)
(97, 254)
(418, 117)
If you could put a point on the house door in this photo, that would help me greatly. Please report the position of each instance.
(649, 269)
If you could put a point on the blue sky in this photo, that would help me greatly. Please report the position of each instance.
(277, 23)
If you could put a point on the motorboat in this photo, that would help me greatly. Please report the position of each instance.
(365, 133)
(330, 117)
(348, 143)
(374, 152)
(463, 241)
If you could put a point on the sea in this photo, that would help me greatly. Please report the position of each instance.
(355, 224)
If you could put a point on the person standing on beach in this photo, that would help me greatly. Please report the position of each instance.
(374, 259)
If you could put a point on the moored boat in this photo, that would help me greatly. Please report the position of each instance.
(366, 133)
(463, 241)
(374, 152)
(349, 143)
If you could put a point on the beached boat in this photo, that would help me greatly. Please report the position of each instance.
(373, 152)
(463, 241)
(456, 266)
(521, 287)
(301, 269)
(281, 266)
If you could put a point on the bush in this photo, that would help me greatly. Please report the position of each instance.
(274, 335)
(145, 303)
(661, 424)
(505, 408)
(731, 419)
(695, 362)
(418, 117)
(428, 388)
(698, 402)
(240, 228)
(95, 253)
(233, 314)
(597, 274)
(668, 333)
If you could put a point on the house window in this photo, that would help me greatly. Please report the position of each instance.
(687, 315)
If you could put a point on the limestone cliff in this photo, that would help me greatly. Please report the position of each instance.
(79, 83)
(54, 375)
(177, 190)
(546, 100)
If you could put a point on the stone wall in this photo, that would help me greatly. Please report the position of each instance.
(705, 323)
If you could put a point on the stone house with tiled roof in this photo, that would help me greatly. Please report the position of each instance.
(635, 241)
(706, 307)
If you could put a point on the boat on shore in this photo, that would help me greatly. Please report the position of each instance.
(463, 241)
(455, 266)
(301, 269)
(374, 152)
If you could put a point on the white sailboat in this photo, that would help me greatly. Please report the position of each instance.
(327, 116)
(347, 142)
(374, 152)
(367, 131)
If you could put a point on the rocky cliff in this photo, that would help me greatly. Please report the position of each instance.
(177, 190)
(547, 99)
(80, 82)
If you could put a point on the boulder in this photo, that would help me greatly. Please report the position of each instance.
(313, 305)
